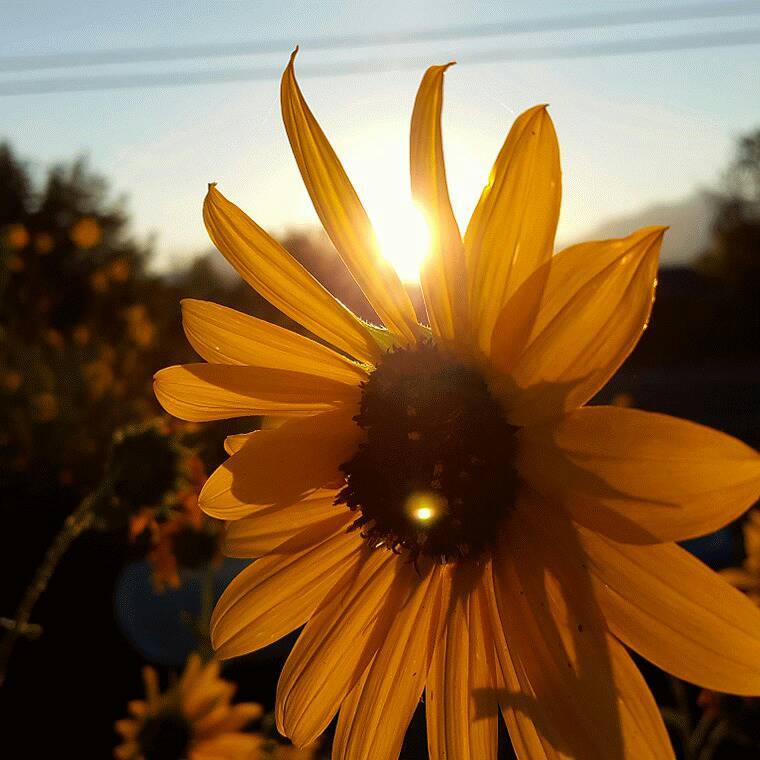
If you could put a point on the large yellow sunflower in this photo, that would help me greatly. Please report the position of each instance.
(439, 508)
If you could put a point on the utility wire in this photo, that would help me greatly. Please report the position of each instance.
(671, 43)
(622, 17)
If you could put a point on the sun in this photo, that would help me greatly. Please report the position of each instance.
(404, 237)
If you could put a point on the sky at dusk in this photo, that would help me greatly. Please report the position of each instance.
(634, 129)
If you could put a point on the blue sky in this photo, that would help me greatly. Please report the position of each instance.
(633, 129)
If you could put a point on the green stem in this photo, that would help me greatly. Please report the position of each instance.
(80, 520)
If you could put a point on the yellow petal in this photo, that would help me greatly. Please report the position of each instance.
(229, 746)
(511, 233)
(348, 718)
(233, 443)
(229, 719)
(269, 527)
(338, 643)
(595, 304)
(516, 698)
(342, 213)
(376, 725)
(281, 466)
(676, 612)
(578, 683)
(280, 591)
(269, 269)
(637, 476)
(225, 336)
(460, 695)
(202, 392)
(443, 276)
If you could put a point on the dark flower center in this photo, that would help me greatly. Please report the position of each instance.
(164, 736)
(435, 474)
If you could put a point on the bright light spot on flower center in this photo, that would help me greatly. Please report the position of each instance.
(404, 238)
(425, 507)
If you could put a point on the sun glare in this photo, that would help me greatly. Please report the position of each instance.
(425, 507)
(404, 238)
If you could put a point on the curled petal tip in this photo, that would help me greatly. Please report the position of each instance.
(293, 55)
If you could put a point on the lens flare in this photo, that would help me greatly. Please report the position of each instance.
(404, 239)
(425, 507)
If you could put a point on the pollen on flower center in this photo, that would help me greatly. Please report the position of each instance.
(435, 474)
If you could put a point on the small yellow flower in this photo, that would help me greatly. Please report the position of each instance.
(194, 720)
(45, 406)
(98, 376)
(86, 233)
(140, 328)
(12, 380)
(17, 237)
(43, 243)
(99, 281)
(81, 335)
(118, 271)
(54, 338)
(15, 263)
(441, 511)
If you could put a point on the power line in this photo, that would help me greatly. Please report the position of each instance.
(623, 17)
(671, 43)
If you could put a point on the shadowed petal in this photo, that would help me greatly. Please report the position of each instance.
(281, 466)
(594, 305)
(280, 591)
(338, 643)
(676, 612)
(267, 528)
(586, 695)
(461, 700)
(637, 476)
(373, 721)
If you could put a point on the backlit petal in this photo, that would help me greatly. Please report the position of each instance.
(280, 591)
(270, 270)
(516, 698)
(511, 233)
(637, 476)
(443, 276)
(338, 643)
(594, 306)
(377, 717)
(281, 466)
(460, 695)
(225, 336)
(202, 392)
(267, 528)
(342, 214)
(676, 612)
(586, 695)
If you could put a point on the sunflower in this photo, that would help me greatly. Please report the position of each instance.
(194, 719)
(439, 509)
